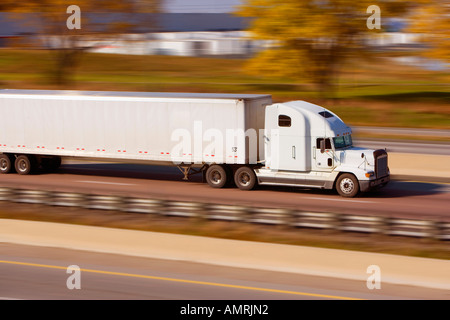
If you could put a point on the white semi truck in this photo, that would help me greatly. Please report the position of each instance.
(243, 139)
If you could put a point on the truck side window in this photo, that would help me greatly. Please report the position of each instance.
(284, 121)
(327, 143)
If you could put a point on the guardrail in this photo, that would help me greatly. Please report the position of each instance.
(271, 216)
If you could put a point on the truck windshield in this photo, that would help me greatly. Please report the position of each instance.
(342, 142)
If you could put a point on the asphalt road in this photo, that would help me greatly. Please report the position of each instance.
(404, 145)
(416, 200)
(40, 273)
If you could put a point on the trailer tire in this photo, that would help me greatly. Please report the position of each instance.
(6, 163)
(245, 178)
(347, 185)
(25, 164)
(216, 176)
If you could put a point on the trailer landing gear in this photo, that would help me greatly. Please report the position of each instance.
(188, 170)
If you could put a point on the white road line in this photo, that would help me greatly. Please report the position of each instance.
(346, 200)
(102, 182)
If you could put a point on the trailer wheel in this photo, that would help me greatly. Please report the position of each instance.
(6, 163)
(216, 176)
(25, 164)
(347, 185)
(245, 178)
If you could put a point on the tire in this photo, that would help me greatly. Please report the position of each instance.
(347, 185)
(6, 163)
(216, 176)
(245, 178)
(25, 164)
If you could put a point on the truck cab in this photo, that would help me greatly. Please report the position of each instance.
(309, 146)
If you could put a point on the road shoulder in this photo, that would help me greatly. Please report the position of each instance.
(352, 265)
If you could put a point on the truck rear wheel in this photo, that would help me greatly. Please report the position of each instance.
(25, 164)
(347, 185)
(6, 163)
(245, 178)
(216, 176)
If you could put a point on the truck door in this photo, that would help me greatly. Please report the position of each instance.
(291, 141)
(286, 145)
(323, 160)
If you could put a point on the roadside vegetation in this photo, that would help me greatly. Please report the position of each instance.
(370, 92)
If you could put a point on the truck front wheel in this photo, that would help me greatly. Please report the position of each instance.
(216, 176)
(347, 185)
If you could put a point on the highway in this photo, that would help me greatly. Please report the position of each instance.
(407, 147)
(412, 132)
(40, 273)
(30, 272)
(416, 200)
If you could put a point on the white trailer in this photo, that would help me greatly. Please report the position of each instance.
(245, 139)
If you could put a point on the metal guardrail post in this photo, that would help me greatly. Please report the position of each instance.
(411, 228)
(267, 216)
(443, 230)
(31, 196)
(114, 203)
(316, 220)
(225, 212)
(357, 223)
(7, 194)
(145, 206)
(183, 209)
(68, 199)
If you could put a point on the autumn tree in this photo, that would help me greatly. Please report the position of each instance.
(432, 21)
(311, 39)
(99, 19)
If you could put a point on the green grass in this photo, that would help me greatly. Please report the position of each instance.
(368, 93)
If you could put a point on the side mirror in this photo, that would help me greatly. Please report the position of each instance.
(362, 155)
(322, 146)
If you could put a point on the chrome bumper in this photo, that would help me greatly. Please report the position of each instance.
(368, 185)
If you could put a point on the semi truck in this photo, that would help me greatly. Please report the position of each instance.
(242, 139)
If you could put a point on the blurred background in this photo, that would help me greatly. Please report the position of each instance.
(391, 84)
(320, 51)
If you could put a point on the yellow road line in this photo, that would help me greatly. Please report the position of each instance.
(316, 295)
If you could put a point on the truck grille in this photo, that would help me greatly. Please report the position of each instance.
(381, 166)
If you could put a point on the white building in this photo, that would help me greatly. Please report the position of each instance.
(212, 43)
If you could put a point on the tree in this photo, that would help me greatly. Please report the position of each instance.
(432, 20)
(100, 19)
(311, 39)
